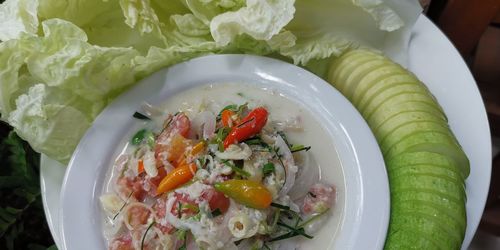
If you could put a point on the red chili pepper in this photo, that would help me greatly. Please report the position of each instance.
(249, 126)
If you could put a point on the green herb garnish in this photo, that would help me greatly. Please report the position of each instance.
(220, 136)
(216, 212)
(282, 207)
(123, 206)
(237, 170)
(144, 235)
(282, 134)
(143, 135)
(297, 148)
(232, 107)
(268, 168)
(140, 116)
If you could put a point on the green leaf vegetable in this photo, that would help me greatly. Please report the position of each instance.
(61, 63)
(22, 221)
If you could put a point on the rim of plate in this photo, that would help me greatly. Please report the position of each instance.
(366, 209)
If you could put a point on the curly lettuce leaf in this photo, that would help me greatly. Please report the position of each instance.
(260, 19)
(17, 16)
(56, 77)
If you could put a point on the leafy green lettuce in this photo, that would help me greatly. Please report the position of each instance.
(62, 62)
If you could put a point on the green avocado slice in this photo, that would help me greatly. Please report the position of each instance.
(437, 142)
(401, 88)
(397, 100)
(398, 133)
(403, 119)
(411, 238)
(438, 184)
(420, 225)
(353, 79)
(384, 76)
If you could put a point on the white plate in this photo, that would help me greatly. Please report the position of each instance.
(434, 59)
(366, 208)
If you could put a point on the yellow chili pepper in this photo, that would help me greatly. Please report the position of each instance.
(249, 193)
(176, 178)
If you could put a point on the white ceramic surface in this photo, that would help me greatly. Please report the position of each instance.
(434, 59)
(366, 209)
(438, 64)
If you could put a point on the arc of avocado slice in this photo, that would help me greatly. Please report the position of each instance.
(453, 206)
(388, 111)
(384, 74)
(398, 133)
(426, 165)
(382, 127)
(348, 58)
(420, 223)
(423, 157)
(431, 141)
(449, 224)
(394, 131)
(346, 71)
(398, 239)
(396, 100)
(357, 74)
(400, 88)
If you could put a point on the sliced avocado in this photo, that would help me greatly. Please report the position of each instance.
(358, 73)
(380, 85)
(452, 207)
(429, 182)
(347, 70)
(449, 172)
(398, 133)
(419, 225)
(340, 62)
(388, 112)
(386, 74)
(395, 90)
(411, 239)
(423, 157)
(451, 226)
(436, 142)
(397, 100)
(402, 119)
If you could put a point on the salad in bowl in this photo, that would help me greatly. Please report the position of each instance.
(207, 177)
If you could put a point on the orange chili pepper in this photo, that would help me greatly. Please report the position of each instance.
(140, 166)
(227, 118)
(198, 148)
(249, 193)
(176, 178)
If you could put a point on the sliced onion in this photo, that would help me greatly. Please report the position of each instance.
(289, 164)
(151, 110)
(307, 175)
(203, 125)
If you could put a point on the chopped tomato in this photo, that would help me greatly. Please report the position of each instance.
(160, 211)
(127, 185)
(188, 206)
(179, 124)
(138, 216)
(172, 140)
(123, 242)
(173, 148)
(216, 200)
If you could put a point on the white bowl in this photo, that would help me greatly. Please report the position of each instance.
(366, 191)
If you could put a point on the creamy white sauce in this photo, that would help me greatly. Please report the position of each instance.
(281, 108)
